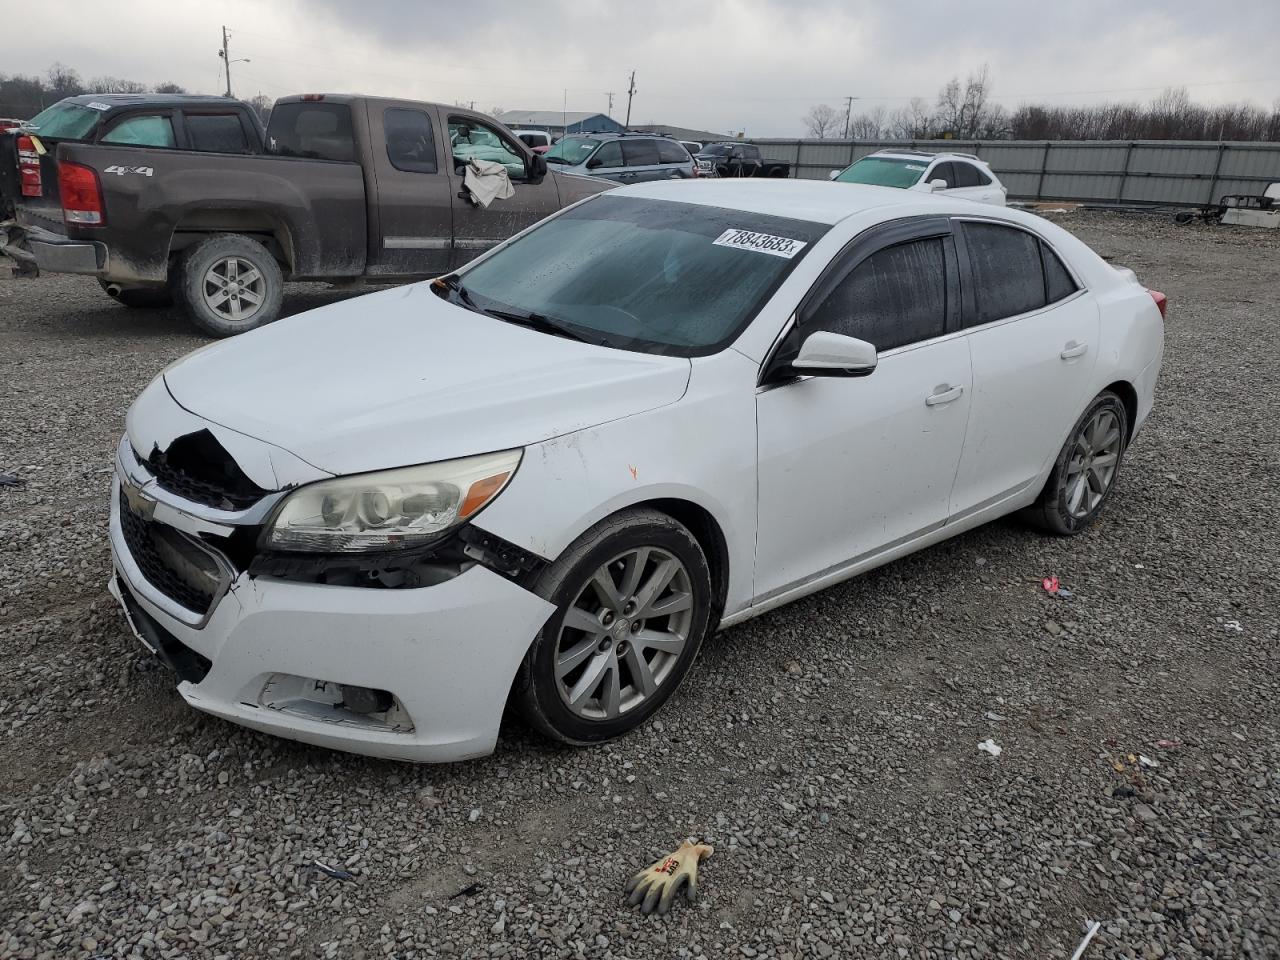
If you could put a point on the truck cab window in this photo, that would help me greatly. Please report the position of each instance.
(216, 133)
(315, 130)
(470, 139)
(148, 131)
(411, 142)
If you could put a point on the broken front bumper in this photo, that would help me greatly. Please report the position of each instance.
(274, 655)
(35, 250)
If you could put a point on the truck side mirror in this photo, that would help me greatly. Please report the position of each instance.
(537, 168)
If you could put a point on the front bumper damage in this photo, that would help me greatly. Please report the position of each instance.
(34, 250)
(283, 657)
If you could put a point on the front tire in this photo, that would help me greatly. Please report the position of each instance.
(1086, 470)
(633, 604)
(230, 284)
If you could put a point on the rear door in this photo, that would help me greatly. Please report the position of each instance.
(643, 162)
(1033, 335)
(675, 159)
(973, 183)
(413, 198)
(475, 228)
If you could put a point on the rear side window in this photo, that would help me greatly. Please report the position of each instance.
(966, 175)
(671, 152)
(609, 154)
(896, 296)
(150, 131)
(640, 153)
(216, 133)
(316, 130)
(1058, 284)
(1007, 276)
(411, 142)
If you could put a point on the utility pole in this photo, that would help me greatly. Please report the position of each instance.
(848, 114)
(609, 112)
(227, 61)
(631, 92)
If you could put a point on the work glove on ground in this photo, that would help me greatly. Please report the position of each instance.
(658, 885)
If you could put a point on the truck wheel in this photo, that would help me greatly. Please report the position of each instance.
(230, 284)
(141, 298)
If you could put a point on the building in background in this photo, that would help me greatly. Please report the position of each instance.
(558, 123)
(684, 133)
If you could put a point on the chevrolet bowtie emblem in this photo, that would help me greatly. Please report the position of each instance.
(138, 501)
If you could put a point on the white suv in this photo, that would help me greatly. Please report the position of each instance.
(952, 174)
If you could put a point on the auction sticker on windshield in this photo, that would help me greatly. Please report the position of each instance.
(760, 242)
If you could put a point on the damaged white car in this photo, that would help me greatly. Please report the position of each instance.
(546, 478)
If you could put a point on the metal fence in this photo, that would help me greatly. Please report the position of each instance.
(1099, 171)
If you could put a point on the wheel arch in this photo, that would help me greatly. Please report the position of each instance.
(274, 233)
(1128, 395)
(706, 530)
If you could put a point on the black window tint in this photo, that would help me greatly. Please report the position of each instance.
(966, 175)
(609, 155)
(640, 153)
(411, 141)
(1007, 277)
(983, 179)
(894, 297)
(1057, 282)
(314, 129)
(216, 133)
(671, 152)
(943, 171)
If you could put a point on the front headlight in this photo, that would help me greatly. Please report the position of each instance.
(392, 509)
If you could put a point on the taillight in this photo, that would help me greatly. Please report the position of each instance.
(1161, 301)
(81, 194)
(29, 167)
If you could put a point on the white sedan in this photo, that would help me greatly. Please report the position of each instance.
(544, 479)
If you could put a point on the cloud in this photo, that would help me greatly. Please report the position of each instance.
(756, 65)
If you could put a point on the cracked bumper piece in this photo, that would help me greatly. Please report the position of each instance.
(283, 657)
(35, 250)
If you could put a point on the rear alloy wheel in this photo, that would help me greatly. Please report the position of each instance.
(633, 602)
(230, 284)
(1086, 469)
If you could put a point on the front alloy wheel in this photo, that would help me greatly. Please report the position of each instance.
(633, 597)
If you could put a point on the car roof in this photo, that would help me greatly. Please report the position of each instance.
(922, 155)
(814, 200)
(152, 99)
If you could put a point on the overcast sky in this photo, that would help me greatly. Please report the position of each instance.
(724, 65)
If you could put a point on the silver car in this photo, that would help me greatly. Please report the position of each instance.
(624, 157)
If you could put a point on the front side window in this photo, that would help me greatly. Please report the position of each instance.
(640, 153)
(894, 297)
(473, 140)
(648, 275)
(751, 152)
(671, 152)
(883, 172)
(945, 172)
(411, 141)
(609, 155)
(216, 133)
(571, 150)
(150, 131)
(1007, 276)
(718, 149)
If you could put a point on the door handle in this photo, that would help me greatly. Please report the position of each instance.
(943, 393)
(1073, 349)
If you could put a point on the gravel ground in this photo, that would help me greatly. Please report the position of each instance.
(828, 750)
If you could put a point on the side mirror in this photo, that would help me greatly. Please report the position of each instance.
(826, 354)
(537, 168)
(833, 174)
(938, 184)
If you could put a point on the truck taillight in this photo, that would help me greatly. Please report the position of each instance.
(1161, 301)
(29, 167)
(81, 194)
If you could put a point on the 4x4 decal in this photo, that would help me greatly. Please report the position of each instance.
(121, 171)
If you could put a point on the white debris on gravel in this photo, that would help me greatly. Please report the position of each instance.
(826, 749)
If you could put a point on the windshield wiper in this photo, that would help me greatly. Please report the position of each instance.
(453, 285)
(541, 323)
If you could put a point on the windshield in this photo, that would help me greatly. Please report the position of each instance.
(69, 121)
(884, 172)
(571, 150)
(647, 275)
(718, 149)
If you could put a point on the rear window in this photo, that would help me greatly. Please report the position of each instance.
(883, 172)
(66, 121)
(147, 131)
(216, 133)
(316, 130)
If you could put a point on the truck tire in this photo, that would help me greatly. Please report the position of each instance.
(777, 172)
(140, 298)
(230, 284)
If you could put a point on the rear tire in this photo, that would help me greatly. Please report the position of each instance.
(607, 660)
(140, 298)
(1086, 471)
(230, 284)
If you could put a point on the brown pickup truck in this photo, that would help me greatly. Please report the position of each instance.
(349, 188)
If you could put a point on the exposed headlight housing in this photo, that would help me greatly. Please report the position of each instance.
(389, 510)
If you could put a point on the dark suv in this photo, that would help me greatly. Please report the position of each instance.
(624, 157)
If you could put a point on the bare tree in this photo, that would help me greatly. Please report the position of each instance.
(115, 85)
(261, 106)
(169, 87)
(912, 122)
(62, 81)
(966, 112)
(823, 121)
(871, 125)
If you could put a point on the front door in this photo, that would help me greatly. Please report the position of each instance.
(850, 467)
(475, 228)
(1034, 342)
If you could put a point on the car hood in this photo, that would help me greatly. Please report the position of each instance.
(403, 377)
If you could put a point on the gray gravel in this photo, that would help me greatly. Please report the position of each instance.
(828, 750)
